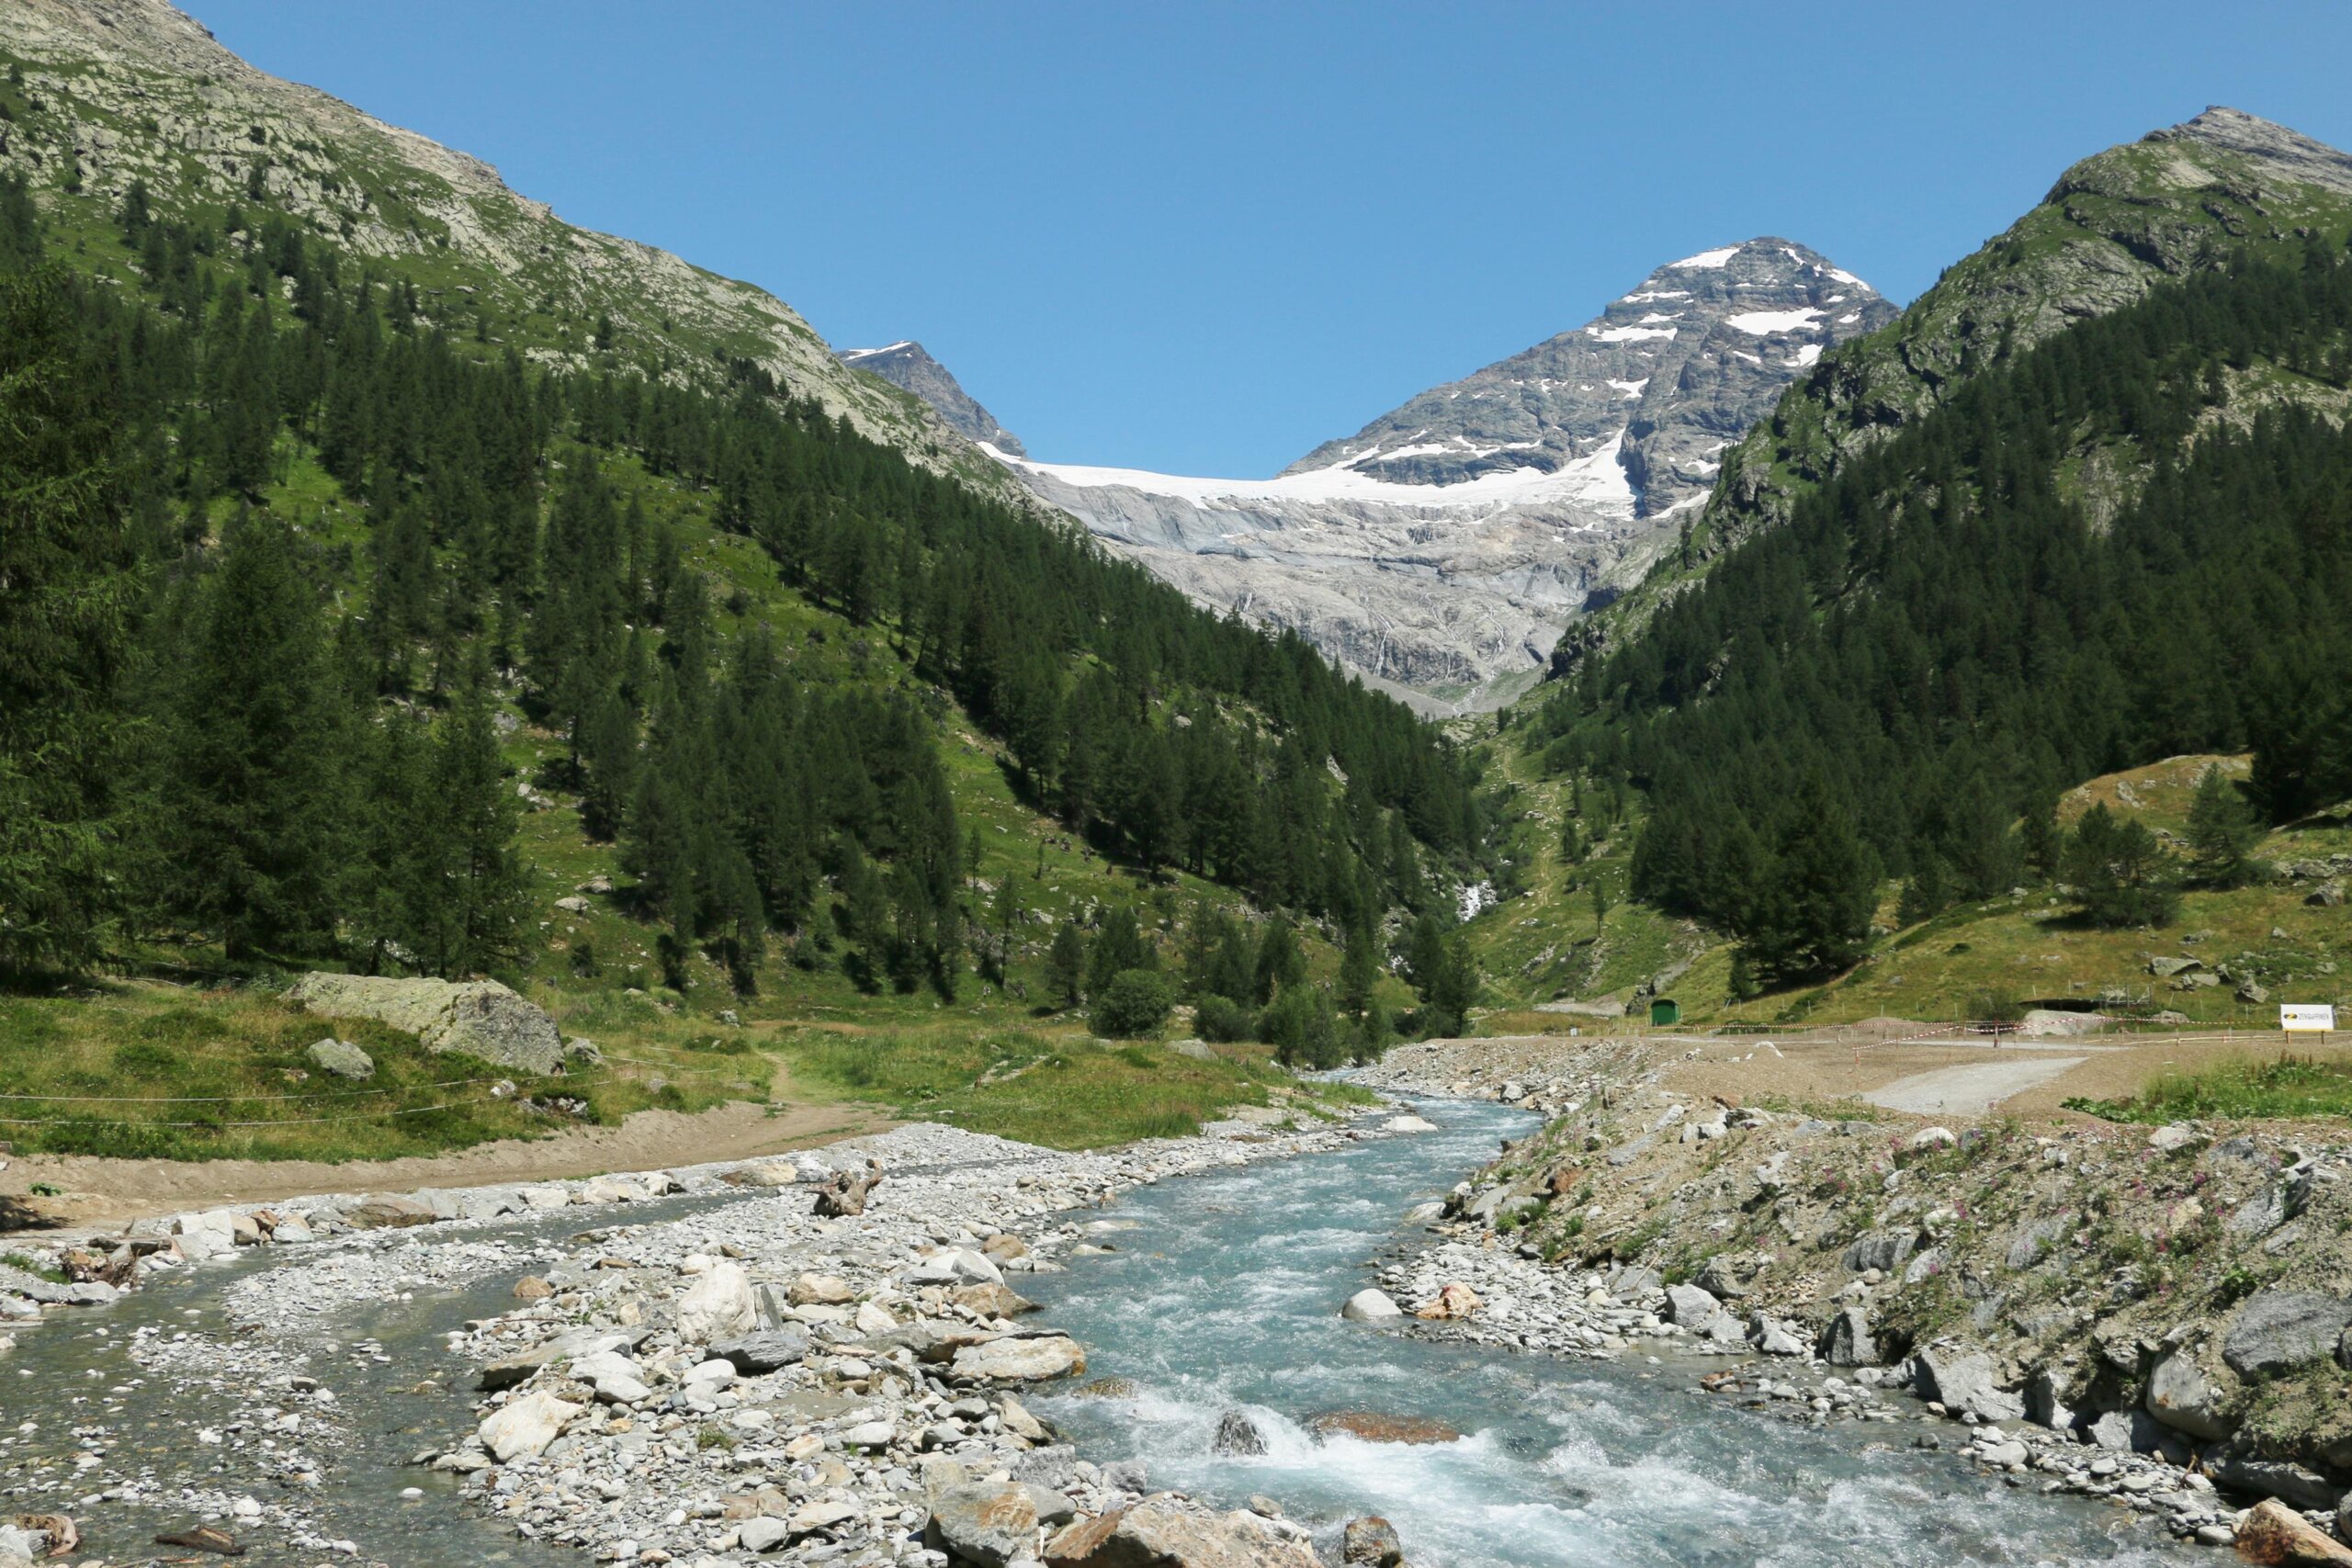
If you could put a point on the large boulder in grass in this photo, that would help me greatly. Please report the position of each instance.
(478, 1018)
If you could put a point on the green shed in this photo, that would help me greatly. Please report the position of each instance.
(1666, 1010)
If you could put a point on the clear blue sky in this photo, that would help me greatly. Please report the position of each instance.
(1205, 238)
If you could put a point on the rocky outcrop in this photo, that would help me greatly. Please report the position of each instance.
(907, 367)
(1674, 370)
(1445, 546)
(477, 1018)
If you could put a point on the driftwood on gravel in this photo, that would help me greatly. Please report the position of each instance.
(842, 1194)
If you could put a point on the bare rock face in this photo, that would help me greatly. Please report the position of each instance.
(478, 1018)
(907, 367)
(1443, 547)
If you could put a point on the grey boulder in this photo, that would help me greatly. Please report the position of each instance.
(476, 1017)
(1962, 1382)
(2278, 1329)
(340, 1057)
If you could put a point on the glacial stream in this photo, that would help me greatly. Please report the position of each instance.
(1223, 1296)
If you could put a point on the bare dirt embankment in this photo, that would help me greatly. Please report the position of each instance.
(93, 1191)
(1927, 1210)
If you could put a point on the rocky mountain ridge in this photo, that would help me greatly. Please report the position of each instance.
(106, 92)
(909, 367)
(1679, 366)
(1444, 548)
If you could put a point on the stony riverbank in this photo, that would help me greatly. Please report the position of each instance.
(2151, 1315)
(748, 1380)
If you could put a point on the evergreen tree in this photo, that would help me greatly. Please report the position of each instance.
(1280, 964)
(1066, 965)
(1814, 916)
(1118, 946)
(1452, 991)
(2121, 874)
(251, 787)
(2222, 831)
(475, 890)
(1926, 893)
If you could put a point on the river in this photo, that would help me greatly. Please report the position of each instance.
(1222, 1296)
(1225, 1295)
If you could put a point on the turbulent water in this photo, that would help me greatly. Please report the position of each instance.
(1222, 1296)
(1225, 1296)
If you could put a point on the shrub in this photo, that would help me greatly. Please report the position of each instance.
(1133, 1005)
(1221, 1021)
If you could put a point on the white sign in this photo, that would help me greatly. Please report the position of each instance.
(2306, 1017)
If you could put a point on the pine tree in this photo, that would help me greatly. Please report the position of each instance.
(476, 889)
(1446, 1004)
(2121, 874)
(1926, 893)
(1280, 963)
(1118, 946)
(1066, 965)
(1814, 916)
(2222, 831)
(252, 786)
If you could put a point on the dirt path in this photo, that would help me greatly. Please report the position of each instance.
(1970, 1090)
(96, 1190)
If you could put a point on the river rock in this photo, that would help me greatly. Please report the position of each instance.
(1846, 1341)
(2239, 1466)
(954, 1266)
(524, 1428)
(479, 1018)
(988, 1300)
(1962, 1382)
(1373, 1426)
(1372, 1306)
(341, 1058)
(763, 1534)
(1771, 1336)
(1011, 1359)
(1236, 1434)
(765, 1351)
(2278, 1329)
(719, 1306)
(2273, 1533)
(1371, 1543)
(1409, 1124)
(1687, 1306)
(1159, 1533)
(2181, 1397)
(820, 1289)
(1452, 1301)
(993, 1525)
